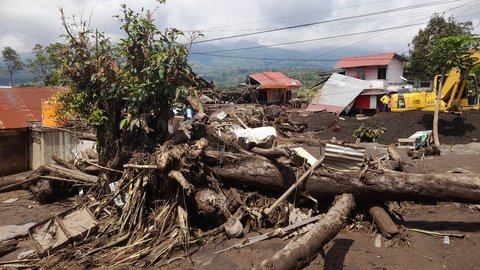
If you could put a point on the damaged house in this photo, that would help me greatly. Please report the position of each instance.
(360, 83)
(272, 87)
(28, 136)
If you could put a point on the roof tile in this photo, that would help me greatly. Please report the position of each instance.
(382, 59)
(269, 79)
(20, 105)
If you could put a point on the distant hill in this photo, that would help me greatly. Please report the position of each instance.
(232, 69)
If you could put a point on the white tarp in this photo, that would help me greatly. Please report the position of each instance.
(338, 94)
(262, 137)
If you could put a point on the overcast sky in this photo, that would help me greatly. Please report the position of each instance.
(24, 23)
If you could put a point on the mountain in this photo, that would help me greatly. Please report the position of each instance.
(232, 67)
(228, 68)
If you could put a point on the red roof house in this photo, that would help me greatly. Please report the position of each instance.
(384, 66)
(273, 87)
(20, 105)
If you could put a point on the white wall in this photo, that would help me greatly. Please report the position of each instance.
(394, 71)
(63, 144)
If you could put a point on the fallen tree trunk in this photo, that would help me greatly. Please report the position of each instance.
(384, 222)
(302, 251)
(271, 152)
(62, 171)
(7, 247)
(371, 186)
(63, 162)
(13, 179)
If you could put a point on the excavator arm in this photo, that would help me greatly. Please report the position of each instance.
(454, 85)
(452, 92)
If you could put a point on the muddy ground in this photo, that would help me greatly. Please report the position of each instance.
(354, 247)
(453, 128)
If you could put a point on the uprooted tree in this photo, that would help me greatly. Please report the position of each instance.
(124, 89)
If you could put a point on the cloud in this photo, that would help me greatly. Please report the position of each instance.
(24, 23)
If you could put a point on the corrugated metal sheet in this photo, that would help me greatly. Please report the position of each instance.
(337, 94)
(274, 80)
(344, 157)
(382, 59)
(20, 105)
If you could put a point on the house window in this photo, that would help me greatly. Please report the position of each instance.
(382, 73)
(361, 74)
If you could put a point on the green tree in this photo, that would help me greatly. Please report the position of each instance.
(448, 53)
(45, 61)
(438, 27)
(12, 62)
(124, 89)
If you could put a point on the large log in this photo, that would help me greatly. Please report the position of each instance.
(7, 247)
(369, 186)
(303, 250)
(384, 222)
(65, 172)
(14, 178)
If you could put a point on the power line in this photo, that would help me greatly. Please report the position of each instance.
(332, 20)
(299, 60)
(308, 40)
(297, 15)
(383, 31)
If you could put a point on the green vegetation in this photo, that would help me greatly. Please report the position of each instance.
(124, 89)
(45, 61)
(12, 62)
(231, 78)
(447, 53)
(369, 134)
(438, 27)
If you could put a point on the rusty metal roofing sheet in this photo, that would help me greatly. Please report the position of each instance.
(382, 59)
(344, 157)
(20, 105)
(337, 94)
(271, 79)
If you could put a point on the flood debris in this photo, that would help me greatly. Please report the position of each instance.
(304, 249)
(224, 174)
(56, 232)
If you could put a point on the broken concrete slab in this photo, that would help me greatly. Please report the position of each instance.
(14, 231)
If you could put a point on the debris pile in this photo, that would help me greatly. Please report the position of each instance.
(227, 172)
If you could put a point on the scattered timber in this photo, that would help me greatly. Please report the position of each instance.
(68, 173)
(295, 185)
(303, 250)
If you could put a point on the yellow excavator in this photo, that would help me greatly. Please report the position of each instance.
(459, 93)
